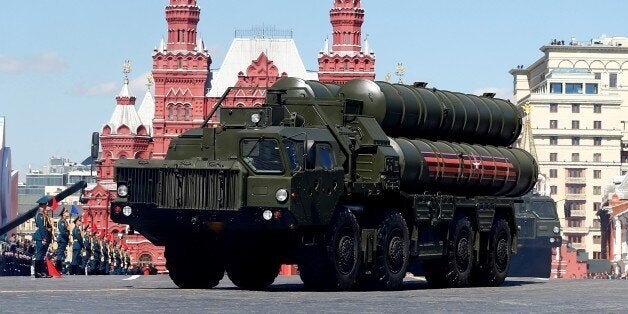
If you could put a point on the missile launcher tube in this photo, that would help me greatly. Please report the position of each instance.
(417, 112)
(463, 169)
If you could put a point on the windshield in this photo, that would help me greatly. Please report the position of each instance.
(262, 155)
(544, 210)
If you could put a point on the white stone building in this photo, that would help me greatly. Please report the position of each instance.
(579, 95)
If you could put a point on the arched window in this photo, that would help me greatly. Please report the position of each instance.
(170, 112)
(145, 259)
(187, 112)
(179, 113)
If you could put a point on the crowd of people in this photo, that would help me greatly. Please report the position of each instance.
(15, 256)
(607, 275)
(92, 252)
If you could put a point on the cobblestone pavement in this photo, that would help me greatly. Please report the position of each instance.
(100, 294)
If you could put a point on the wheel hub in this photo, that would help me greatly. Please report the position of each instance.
(501, 258)
(395, 254)
(463, 254)
(345, 257)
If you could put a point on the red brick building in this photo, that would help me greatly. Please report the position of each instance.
(186, 91)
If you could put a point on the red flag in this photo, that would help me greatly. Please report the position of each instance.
(51, 269)
(94, 227)
(54, 205)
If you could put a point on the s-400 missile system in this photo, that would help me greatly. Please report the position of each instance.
(354, 183)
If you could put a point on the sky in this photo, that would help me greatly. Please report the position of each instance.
(61, 60)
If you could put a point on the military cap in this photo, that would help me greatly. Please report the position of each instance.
(43, 200)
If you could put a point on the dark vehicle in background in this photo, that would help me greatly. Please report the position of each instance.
(539, 232)
(353, 183)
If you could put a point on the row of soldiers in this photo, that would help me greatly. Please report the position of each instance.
(91, 253)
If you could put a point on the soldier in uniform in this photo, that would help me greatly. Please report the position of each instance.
(77, 246)
(127, 261)
(117, 260)
(42, 238)
(104, 261)
(87, 253)
(63, 238)
(94, 263)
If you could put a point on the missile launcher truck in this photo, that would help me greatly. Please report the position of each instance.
(352, 183)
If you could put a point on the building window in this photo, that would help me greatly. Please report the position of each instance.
(575, 124)
(575, 157)
(574, 223)
(553, 107)
(575, 108)
(612, 80)
(597, 76)
(597, 174)
(597, 141)
(597, 125)
(575, 173)
(575, 141)
(553, 140)
(573, 88)
(597, 108)
(553, 173)
(553, 124)
(591, 88)
(596, 255)
(596, 207)
(556, 88)
(553, 156)
(597, 157)
(575, 189)
(187, 113)
(553, 190)
(597, 190)
(170, 112)
(575, 239)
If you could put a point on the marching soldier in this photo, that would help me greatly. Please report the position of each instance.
(87, 253)
(95, 260)
(117, 263)
(127, 261)
(63, 238)
(42, 238)
(104, 261)
(77, 246)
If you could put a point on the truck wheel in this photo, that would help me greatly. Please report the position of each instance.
(335, 266)
(493, 268)
(253, 271)
(454, 269)
(392, 254)
(183, 268)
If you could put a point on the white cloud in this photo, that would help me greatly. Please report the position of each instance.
(503, 93)
(137, 86)
(43, 62)
(95, 90)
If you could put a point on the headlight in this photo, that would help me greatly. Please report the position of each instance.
(123, 190)
(552, 240)
(255, 118)
(127, 210)
(267, 215)
(556, 230)
(281, 195)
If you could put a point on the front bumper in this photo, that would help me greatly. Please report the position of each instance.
(161, 224)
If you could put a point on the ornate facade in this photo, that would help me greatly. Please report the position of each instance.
(347, 59)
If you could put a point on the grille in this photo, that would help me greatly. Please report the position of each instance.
(183, 188)
(527, 227)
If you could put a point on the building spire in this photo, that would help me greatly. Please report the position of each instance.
(346, 19)
(325, 49)
(366, 49)
(182, 17)
(126, 69)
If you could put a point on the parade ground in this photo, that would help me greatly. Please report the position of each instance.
(100, 294)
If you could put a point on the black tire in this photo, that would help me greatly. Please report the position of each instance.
(190, 270)
(455, 268)
(392, 254)
(254, 271)
(334, 265)
(493, 266)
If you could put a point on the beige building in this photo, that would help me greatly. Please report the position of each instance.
(579, 95)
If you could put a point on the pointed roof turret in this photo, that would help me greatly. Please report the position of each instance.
(125, 113)
(366, 49)
(147, 107)
(325, 49)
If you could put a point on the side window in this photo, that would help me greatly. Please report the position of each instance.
(295, 152)
(324, 156)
